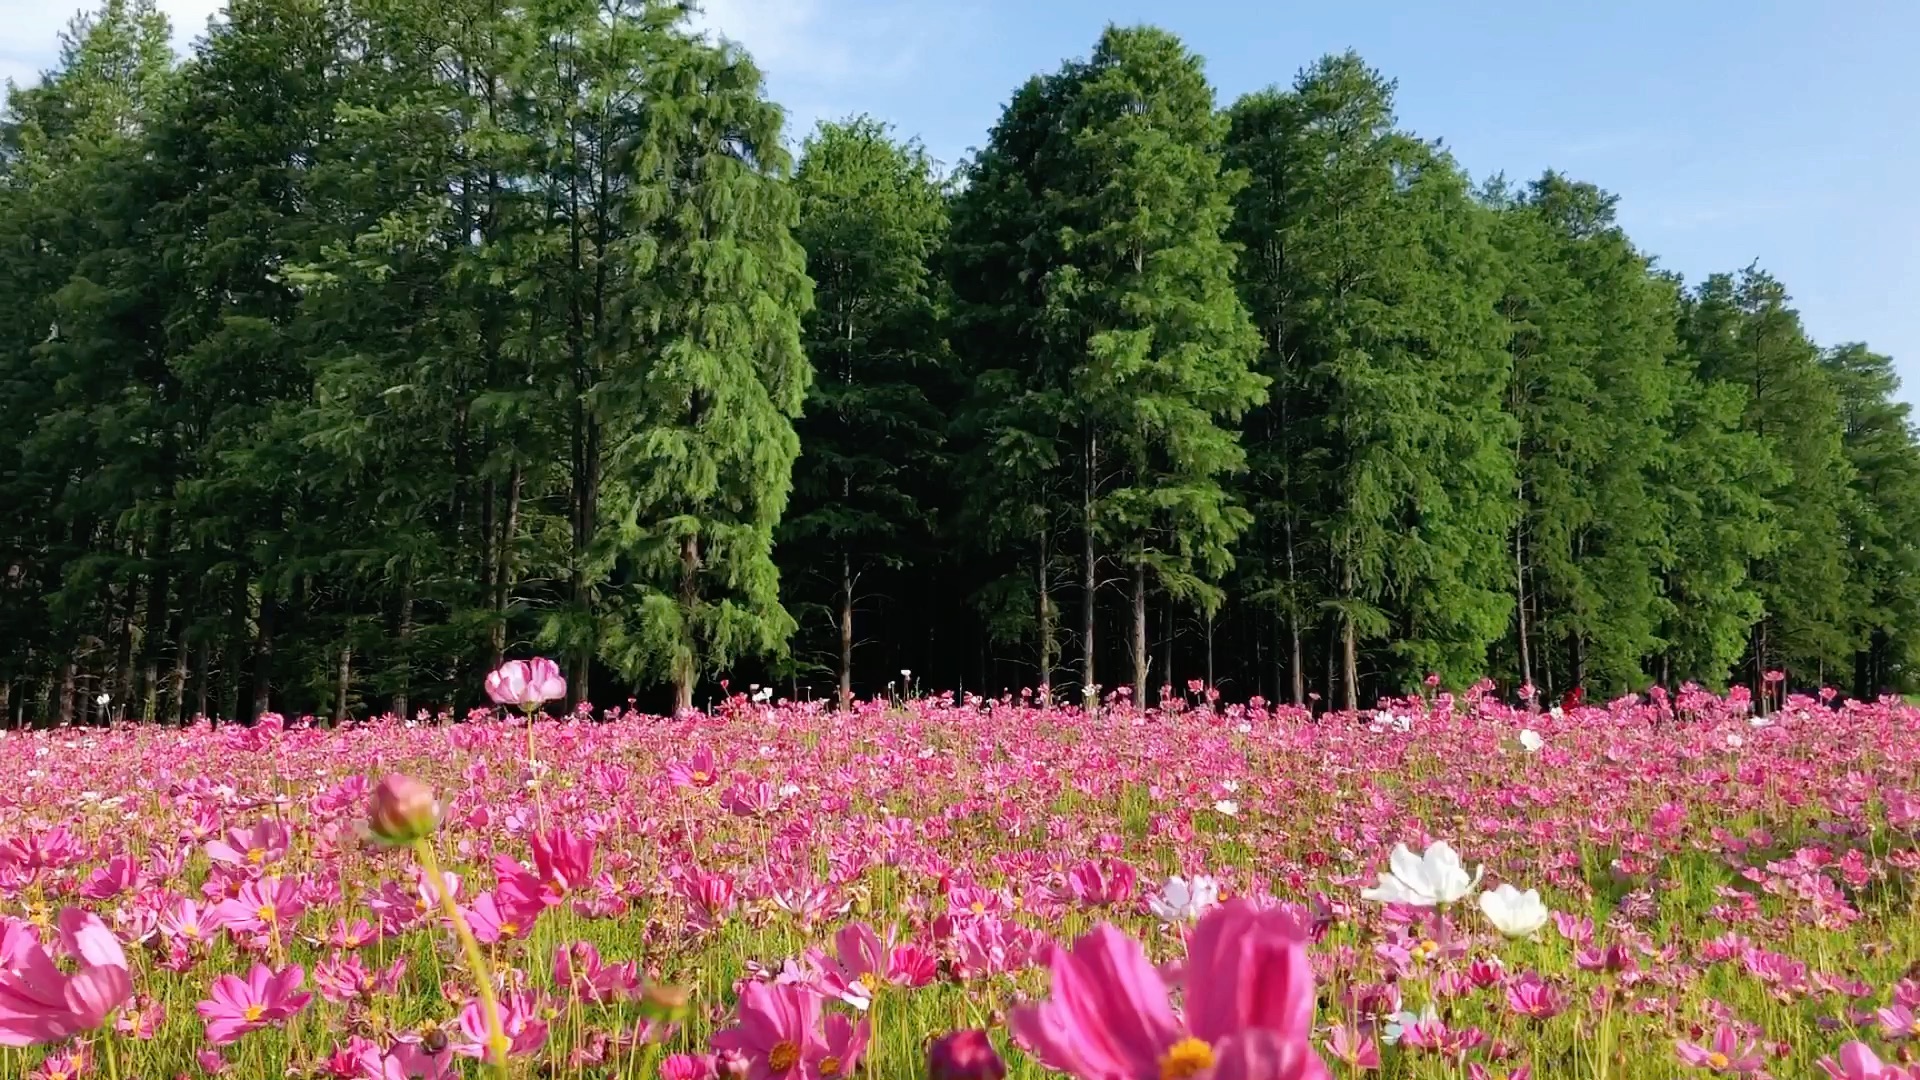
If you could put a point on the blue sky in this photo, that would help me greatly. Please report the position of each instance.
(1783, 132)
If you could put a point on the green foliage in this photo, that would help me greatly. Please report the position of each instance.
(374, 342)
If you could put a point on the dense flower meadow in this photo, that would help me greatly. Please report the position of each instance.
(1447, 887)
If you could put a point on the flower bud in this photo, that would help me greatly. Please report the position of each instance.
(402, 810)
(964, 1055)
(663, 1003)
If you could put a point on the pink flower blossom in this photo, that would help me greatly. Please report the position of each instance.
(41, 1004)
(236, 1006)
(1249, 1001)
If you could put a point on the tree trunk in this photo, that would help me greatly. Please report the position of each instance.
(1166, 644)
(1209, 619)
(503, 572)
(1349, 646)
(687, 665)
(202, 679)
(403, 639)
(263, 653)
(1139, 633)
(1520, 608)
(1046, 624)
(846, 632)
(1299, 662)
(67, 693)
(342, 685)
(1090, 581)
(122, 692)
(1350, 664)
(177, 695)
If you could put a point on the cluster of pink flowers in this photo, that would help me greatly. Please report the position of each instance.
(1446, 885)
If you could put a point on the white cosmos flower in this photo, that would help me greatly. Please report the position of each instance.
(1531, 742)
(1399, 1022)
(1181, 899)
(1227, 807)
(1437, 877)
(1557, 713)
(1512, 912)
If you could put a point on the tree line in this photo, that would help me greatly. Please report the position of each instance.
(376, 341)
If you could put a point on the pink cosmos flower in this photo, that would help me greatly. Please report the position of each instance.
(267, 905)
(526, 684)
(846, 1045)
(1898, 1022)
(564, 860)
(1857, 1061)
(519, 1018)
(264, 843)
(687, 1067)
(1249, 1005)
(108, 881)
(1103, 883)
(39, 1003)
(778, 1033)
(701, 772)
(1535, 998)
(1725, 1055)
(1359, 1052)
(237, 1006)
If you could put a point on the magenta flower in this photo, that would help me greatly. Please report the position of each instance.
(1857, 1061)
(237, 1006)
(264, 843)
(964, 1055)
(1249, 1001)
(1725, 1055)
(778, 1033)
(266, 905)
(41, 1004)
(519, 1018)
(564, 859)
(526, 684)
(846, 1045)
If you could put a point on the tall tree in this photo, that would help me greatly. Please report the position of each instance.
(872, 214)
(1881, 521)
(1593, 330)
(1372, 289)
(1743, 334)
(1146, 347)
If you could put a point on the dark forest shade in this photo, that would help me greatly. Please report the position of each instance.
(374, 343)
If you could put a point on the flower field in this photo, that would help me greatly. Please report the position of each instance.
(1448, 887)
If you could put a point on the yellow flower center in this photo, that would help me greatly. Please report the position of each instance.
(1187, 1058)
(783, 1056)
(265, 911)
(254, 1013)
(1426, 949)
(191, 930)
(701, 778)
(1717, 1059)
(829, 1066)
(508, 929)
(977, 907)
(256, 855)
(869, 980)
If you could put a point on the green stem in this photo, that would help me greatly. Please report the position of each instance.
(496, 1035)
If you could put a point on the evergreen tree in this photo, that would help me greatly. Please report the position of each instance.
(1374, 298)
(1592, 334)
(872, 215)
(1882, 519)
(1743, 334)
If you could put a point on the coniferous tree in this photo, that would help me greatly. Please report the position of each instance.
(871, 216)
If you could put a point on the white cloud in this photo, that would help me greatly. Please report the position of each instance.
(823, 57)
(33, 28)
